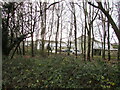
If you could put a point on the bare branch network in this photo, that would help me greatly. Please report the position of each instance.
(52, 1)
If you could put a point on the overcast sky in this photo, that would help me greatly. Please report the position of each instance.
(80, 20)
(66, 19)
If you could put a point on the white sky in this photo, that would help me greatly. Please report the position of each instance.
(80, 20)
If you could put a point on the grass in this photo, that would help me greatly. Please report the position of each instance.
(59, 71)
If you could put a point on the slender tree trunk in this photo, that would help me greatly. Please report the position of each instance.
(89, 36)
(43, 27)
(23, 43)
(45, 15)
(104, 36)
(92, 30)
(32, 43)
(56, 38)
(118, 52)
(104, 39)
(108, 42)
(19, 50)
(57, 32)
(88, 52)
(108, 38)
(61, 29)
(75, 32)
(85, 12)
(15, 51)
(75, 28)
(92, 53)
(27, 45)
(119, 29)
(23, 47)
(82, 41)
(13, 21)
(61, 37)
(17, 47)
(51, 27)
(70, 34)
(89, 44)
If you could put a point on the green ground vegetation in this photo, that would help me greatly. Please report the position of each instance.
(59, 71)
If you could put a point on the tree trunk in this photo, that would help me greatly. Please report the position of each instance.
(119, 29)
(108, 38)
(56, 37)
(85, 12)
(118, 52)
(32, 43)
(61, 37)
(104, 39)
(108, 42)
(75, 28)
(89, 36)
(51, 28)
(61, 31)
(5, 31)
(43, 25)
(57, 32)
(82, 40)
(104, 36)
(92, 53)
(23, 43)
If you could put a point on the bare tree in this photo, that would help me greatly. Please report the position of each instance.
(8, 45)
(108, 38)
(23, 47)
(114, 26)
(59, 14)
(91, 18)
(61, 29)
(89, 35)
(75, 26)
(85, 12)
(119, 29)
(51, 27)
(104, 35)
(92, 30)
(43, 7)
(57, 32)
(70, 34)
(32, 43)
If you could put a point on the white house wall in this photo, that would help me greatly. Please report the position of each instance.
(96, 45)
(52, 45)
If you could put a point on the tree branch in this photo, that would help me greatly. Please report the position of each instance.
(93, 5)
(51, 5)
(94, 17)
